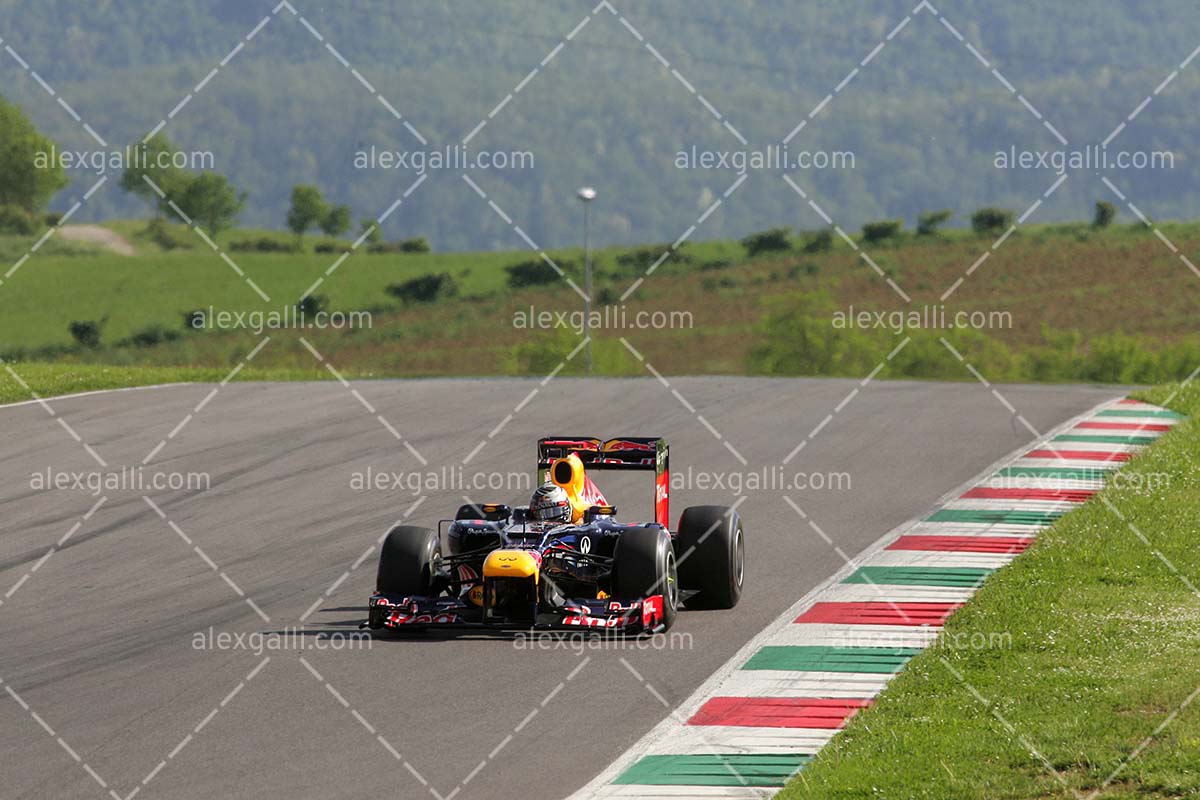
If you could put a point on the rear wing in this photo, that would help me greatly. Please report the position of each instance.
(649, 453)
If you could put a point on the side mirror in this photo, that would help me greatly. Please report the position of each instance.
(492, 512)
(599, 511)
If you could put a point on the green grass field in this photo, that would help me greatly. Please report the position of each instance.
(28, 381)
(1081, 305)
(1093, 695)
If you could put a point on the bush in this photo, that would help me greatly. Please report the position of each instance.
(52, 219)
(425, 289)
(417, 244)
(712, 284)
(332, 247)
(882, 230)
(992, 220)
(770, 241)
(168, 236)
(716, 264)
(1106, 212)
(312, 304)
(86, 333)
(531, 273)
(264, 244)
(819, 241)
(16, 221)
(642, 258)
(929, 222)
(150, 336)
(195, 319)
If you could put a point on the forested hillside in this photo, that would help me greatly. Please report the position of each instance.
(924, 118)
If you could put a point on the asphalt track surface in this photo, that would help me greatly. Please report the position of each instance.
(98, 643)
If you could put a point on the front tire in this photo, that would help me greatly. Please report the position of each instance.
(644, 565)
(712, 556)
(407, 561)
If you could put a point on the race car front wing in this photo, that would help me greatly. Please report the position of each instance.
(388, 612)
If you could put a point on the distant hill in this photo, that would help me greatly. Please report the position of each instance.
(923, 118)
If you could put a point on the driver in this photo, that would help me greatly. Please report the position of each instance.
(550, 504)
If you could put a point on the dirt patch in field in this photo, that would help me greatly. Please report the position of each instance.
(94, 234)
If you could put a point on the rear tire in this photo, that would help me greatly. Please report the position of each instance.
(711, 550)
(407, 561)
(644, 565)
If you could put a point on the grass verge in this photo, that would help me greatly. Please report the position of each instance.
(49, 380)
(1092, 688)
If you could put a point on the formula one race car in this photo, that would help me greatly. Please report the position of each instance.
(564, 561)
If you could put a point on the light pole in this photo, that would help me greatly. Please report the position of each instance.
(587, 194)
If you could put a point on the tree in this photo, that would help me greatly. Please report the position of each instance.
(211, 201)
(29, 177)
(929, 222)
(874, 232)
(1106, 212)
(336, 221)
(170, 179)
(991, 220)
(770, 241)
(308, 208)
(372, 230)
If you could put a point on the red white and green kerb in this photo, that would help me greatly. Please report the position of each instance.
(747, 734)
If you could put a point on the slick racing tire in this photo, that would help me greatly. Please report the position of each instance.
(644, 565)
(711, 550)
(407, 561)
